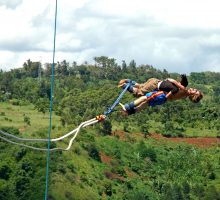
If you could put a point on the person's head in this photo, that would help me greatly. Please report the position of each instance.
(195, 95)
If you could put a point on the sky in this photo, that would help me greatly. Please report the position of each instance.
(180, 36)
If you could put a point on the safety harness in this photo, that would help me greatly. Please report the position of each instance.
(154, 98)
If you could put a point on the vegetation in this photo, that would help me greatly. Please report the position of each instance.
(101, 165)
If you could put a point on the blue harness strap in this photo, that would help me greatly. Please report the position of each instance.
(156, 98)
(117, 100)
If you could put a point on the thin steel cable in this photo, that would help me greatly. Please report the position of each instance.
(51, 105)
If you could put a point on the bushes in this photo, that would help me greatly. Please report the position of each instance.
(11, 130)
(27, 120)
(93, 152)
(212, 193)
(142, 192)
(6, 192)
(107, 127)
(147, 152)
(5, 171)
(169, 130)
(173, 191)
(145, 129)
(17, 102)
(20, 154)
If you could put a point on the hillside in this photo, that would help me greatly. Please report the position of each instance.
(144, 156)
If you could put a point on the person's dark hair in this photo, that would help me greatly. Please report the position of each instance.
(195, 98)
(184, 80)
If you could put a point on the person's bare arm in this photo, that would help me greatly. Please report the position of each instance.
(178, 84)
(168, 94)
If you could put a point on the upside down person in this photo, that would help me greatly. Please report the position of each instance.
(158, 98)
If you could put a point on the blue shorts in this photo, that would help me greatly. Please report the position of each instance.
(157, 98)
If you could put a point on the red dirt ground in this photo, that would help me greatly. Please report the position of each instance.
(111, 175)
(202, 142)
(22, 129)
(105, 159)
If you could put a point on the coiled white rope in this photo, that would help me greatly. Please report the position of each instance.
(75, 132)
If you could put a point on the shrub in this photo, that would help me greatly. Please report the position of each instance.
(27, 120)
(147, 152)
(4, 172)
(2, 114)
(107, 128)
(212, 176)
(11, 130)
(144, 129)
(15, 102)
(20, 154)
(93, 152)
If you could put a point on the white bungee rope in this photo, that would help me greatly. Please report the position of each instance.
(75, 132)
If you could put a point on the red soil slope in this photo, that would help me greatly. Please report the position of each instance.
(202, 142)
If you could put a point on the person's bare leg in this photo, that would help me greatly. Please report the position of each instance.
(137, 102)
(140, 100)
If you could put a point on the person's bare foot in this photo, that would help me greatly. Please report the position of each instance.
(123, 107)
(122, 83)
(123, 110)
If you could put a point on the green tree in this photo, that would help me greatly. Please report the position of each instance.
(42, 105)
(144, 129)
(107, 127)
(132, 66)
(5, 171)
(124, 66)
(93, 152)
(27, 120)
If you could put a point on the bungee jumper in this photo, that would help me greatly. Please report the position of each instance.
(156, 92)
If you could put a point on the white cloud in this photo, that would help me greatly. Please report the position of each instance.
(11, 4)
(180, 36)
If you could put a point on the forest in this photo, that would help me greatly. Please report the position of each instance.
(115, 159)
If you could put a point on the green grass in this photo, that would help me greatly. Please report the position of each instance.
(156, 127)
(13, 116)
(197, 132)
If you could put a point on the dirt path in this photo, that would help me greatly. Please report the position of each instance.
(202, 142)
(196, 141)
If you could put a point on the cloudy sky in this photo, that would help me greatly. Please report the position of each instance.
(178, 35)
